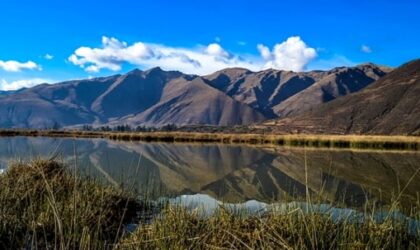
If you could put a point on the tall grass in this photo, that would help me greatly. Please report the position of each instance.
(178, 228)
(42, 205)
(45, 205)
(297, 140)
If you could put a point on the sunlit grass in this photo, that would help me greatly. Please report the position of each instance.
(296, 140)
(178, 228)
(44, 204)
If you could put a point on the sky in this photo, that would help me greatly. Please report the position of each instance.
(52, 41)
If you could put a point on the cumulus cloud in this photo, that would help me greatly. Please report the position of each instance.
(26, 83)
(366, 49)
(292, 54)
(215, 49)
(15, 66)
(265, 52)
(114, 53)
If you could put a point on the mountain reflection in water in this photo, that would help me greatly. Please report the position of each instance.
(231, 173)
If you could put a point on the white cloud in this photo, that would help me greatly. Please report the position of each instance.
(265, 52)
(15, 66)
(292, 54)
(366, 49)
(26, 83)
(214, 49)
(48, 56)
(199, 60)
(111, 55)
(242, 43)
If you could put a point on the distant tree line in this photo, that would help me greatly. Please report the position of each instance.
(170, 127)
(128, 128)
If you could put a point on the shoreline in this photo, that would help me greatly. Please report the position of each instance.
(93, 215)
(380, 142)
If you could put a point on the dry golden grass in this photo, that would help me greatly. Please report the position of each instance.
(178, 228)
(298, 140)
(43, 205)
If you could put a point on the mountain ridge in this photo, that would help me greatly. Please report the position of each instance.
(391, 105)
(155, 97)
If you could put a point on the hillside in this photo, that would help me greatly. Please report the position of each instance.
(391, 105)
(278, 93)
(194, 102)
(156, 97)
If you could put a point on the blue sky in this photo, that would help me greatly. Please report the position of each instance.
(95, 38)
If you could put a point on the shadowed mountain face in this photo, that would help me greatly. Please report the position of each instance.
(156, 97)
(194, 102)
(44, 105)
(339, 82)
(391, 105)
(232, 173)
(282, 93)
(132, 93)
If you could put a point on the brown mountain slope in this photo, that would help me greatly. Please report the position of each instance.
(391, 105)
(194, 102)
(45, 105)
(278, 93)
(227, 97)
(338, 82)
(133, 92)
(261, 90)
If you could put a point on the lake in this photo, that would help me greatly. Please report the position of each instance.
(231, 173)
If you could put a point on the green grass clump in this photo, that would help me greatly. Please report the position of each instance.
(178, 228)
(44, 205)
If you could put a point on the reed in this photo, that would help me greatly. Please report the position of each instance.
(380, 142)
(178, 228)
(44, 204)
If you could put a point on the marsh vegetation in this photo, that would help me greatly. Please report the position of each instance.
(293, 140)
(46, 204)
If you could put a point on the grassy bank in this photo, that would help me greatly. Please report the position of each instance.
(43, 204)
(323, 141)
(181, 229)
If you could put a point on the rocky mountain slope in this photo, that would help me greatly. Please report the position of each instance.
(391, 105)
(195, 102)
(156, 97)
(278, 93)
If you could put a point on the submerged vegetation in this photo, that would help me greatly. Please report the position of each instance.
(293, 140)
(44, 204)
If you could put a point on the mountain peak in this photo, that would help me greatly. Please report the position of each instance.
(387, 106)
(154, 70)
(135, 71)
(167, 96)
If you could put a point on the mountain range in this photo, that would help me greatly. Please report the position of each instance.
(155, 97)
(391, 105)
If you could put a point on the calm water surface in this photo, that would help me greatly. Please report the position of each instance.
(230, 173)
